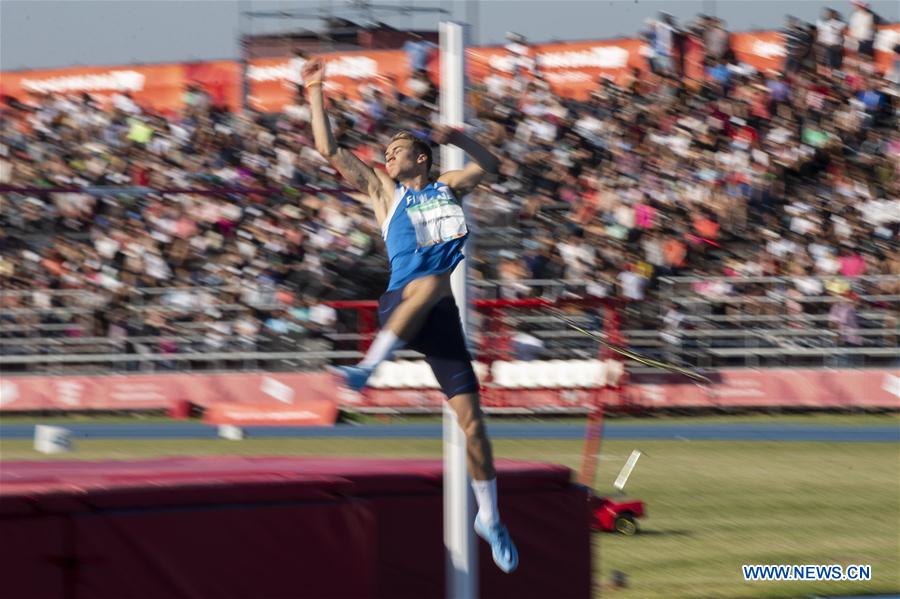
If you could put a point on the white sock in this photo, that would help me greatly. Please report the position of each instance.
(384, 346)
(486, 497)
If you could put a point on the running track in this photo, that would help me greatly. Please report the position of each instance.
(683, 432)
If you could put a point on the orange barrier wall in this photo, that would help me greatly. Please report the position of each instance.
(571, 68)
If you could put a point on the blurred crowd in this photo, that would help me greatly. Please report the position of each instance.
(790, 172)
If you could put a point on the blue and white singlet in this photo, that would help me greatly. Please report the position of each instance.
(424, 232)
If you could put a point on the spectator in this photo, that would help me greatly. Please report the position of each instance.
(844, 320)
(717, 40)
(720, 72)
(322, 317)
(522, 64)
(246, 328)
(631, 283)
(278, 323)
(861, 29)
(830, 37)
(798, 44)
(665, 44)
(893, 75)
(419, 51)
(527, 347)
(671, 332)
(852, 264)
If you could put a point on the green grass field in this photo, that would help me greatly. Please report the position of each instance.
(712, 506)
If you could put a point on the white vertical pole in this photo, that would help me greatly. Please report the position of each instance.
(461, 572)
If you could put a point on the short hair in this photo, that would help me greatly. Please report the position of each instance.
(420, 146)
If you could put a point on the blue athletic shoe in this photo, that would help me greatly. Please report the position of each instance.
(353, 377)
(502, 547)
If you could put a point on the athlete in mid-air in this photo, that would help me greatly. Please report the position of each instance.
(424, 230)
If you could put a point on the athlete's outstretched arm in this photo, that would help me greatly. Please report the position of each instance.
(357, 173)
(484, 162)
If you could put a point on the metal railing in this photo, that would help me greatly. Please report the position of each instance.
(149, 362)
(710, 339)
(862, 279)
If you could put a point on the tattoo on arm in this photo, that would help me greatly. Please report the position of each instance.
(355, 171)
(357, 174)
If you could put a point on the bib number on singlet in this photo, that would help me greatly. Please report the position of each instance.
(436, 221)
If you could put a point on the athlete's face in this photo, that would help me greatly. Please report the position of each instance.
(400, 159)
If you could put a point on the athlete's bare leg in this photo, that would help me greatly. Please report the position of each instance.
(479, 455)
(404, 323)
(484, 481)
(419, 297)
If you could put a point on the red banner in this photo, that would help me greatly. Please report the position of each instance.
(765, 49)
(571, 69)
(776, 387)
(158, 87)
(272, 82)
(762, 49)
(220, 79)
(305, 413)
(155, 391)
(871, 388)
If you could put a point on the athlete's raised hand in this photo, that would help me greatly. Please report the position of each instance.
(313, 71)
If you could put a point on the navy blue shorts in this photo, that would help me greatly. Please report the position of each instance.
(442, 341)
